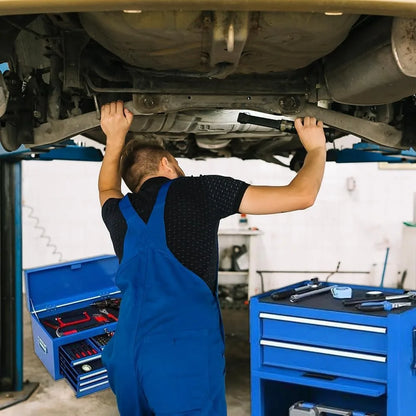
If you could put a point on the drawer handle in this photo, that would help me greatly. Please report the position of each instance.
(95, 374)
(326, 351)
(320, 322)
(319, 375)
(94, 380)
(94, 386)
(414, 352)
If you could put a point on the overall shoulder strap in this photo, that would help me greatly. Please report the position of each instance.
(129, 213)
(156, 223)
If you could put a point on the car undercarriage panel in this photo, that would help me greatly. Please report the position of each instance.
(197, 42)
(187, 73)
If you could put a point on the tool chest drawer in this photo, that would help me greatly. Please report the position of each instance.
(326, 333)
(335, 362)
(80, 363)
(74, 312)
(319, 350)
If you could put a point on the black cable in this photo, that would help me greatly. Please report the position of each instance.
(402, 280)
(336, 271)
(261, 280)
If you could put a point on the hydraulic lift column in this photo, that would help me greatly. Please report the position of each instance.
(12, 388)
(11, 331)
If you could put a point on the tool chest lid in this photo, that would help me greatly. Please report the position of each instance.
(61, 284)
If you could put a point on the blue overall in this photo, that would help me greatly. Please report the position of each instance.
(167, 354)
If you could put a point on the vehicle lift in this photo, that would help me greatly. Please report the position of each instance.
(13, 389)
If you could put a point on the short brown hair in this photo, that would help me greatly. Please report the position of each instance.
(140, 159)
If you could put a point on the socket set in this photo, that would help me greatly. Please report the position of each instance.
(80, 363)
(102, 340)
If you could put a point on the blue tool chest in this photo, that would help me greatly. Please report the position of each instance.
(74, 312)
(320, 352)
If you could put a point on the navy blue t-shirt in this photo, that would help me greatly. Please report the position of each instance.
(193, 210)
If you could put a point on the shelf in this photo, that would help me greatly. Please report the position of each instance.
(232, 278)
(227, 239)
(237, 231)
(346, 385)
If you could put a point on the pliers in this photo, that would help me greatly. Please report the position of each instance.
(108, 314)
(381, 306)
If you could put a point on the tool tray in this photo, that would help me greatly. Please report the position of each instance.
(311, 409)
(74, 311)
(319, 350)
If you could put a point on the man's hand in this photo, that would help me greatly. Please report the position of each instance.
(115, 122)
(311, 133)
(301, 192)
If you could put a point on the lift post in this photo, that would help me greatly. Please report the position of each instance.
(11, 361)
(12, 388)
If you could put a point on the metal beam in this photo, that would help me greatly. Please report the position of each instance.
(404, 8)
(375, 132)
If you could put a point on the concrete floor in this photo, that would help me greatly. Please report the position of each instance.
(56, 397)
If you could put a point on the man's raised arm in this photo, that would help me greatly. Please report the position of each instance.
(115, 123)
(303, 189)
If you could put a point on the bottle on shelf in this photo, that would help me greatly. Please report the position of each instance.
(243, 222)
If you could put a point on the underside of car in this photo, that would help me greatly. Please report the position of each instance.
(188, 74)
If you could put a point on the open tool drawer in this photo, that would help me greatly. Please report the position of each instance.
(318, 350)
(74, 312)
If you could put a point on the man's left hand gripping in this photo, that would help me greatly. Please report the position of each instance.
(115, 122)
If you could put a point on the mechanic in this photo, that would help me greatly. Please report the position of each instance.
(167, 354)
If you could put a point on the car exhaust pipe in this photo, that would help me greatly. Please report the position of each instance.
(374, 66)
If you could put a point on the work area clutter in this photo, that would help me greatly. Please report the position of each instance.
(353, 228)
(353, 236)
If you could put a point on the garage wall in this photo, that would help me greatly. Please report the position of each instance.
(359, 214)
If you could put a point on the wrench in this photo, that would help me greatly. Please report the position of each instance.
(295, 298)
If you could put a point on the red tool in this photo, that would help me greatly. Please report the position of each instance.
(100, 318)
(71, 331)
(110, 315)
(80, 321)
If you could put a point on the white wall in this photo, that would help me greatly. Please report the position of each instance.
(61, 212)
(354, 227)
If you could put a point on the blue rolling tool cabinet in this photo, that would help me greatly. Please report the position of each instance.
(74, 312)
(319, 351)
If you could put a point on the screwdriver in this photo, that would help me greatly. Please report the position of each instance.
(381, 306)
(380, 297)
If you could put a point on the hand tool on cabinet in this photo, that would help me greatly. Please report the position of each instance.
(103, 339)
(112, 303)
(99, 317)
(411, 295)
(381, 306)
(75, 322)
(68, 331)
(109, 315)
(312, 284)
(297, 297)
(312, 409)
